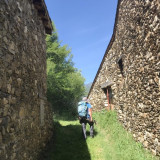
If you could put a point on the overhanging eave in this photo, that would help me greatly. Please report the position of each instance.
(106, 84)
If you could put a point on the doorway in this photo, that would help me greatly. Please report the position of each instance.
(109, 97)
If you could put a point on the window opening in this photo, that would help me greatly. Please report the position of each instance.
(120, 63)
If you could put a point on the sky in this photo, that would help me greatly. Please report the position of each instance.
(86, 26)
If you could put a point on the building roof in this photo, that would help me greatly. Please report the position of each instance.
(43, 14)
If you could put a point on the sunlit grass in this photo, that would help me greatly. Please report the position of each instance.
(118, 144)
(111, 141)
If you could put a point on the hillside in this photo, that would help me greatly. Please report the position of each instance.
(87, 88)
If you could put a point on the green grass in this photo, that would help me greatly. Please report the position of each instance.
(111, 141)
(118, 143)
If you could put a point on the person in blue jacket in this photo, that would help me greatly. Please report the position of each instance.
(88, 119)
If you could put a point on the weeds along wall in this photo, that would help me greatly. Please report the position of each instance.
(25, 116)
(131, 70)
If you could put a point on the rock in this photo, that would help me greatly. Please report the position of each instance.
(11, 48)
(145, 143)
(22, 113)
(9, 88)
(19, 80)
(5, 101)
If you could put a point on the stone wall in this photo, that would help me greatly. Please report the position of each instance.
(25, 116)
(132, 64)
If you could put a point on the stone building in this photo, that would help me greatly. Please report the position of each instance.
(25, 116)
(128, 78)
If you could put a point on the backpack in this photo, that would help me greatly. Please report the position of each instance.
(82, 109)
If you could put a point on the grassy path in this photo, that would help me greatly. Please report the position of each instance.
(111, 142)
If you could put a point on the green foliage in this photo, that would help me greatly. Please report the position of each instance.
(65, 84)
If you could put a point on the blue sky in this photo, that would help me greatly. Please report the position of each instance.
(86, 26)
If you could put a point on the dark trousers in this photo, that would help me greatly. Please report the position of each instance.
(84, 122)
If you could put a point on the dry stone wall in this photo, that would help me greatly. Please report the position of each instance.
(136, 82)
(25, 116)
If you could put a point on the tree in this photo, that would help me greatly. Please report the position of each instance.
(65, 84)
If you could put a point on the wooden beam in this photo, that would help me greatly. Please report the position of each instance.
(42, 13)
(38, 4)
(37, 1)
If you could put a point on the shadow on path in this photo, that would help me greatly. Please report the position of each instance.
(67, 144)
